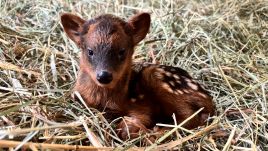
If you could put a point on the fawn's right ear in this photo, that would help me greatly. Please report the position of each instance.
(73, 26)
(140, 25)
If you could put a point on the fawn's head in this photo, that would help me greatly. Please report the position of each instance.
(107, 44)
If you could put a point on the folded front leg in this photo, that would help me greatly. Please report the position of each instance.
(130, 128)
(133, 125)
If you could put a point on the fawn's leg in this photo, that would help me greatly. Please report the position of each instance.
(134, 124)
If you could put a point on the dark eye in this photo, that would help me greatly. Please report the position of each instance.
(122, 52)
(90, 52)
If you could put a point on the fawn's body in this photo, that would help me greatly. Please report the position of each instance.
(144, 93)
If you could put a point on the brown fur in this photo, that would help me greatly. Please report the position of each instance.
(144, 93)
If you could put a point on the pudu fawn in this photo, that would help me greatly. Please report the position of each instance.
(145, 94)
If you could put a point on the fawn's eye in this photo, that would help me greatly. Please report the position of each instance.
(90, 51)
(122, 53)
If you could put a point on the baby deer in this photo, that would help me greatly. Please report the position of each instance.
(145, 94)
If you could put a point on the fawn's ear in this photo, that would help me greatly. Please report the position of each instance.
(73, 26)
(140, 25)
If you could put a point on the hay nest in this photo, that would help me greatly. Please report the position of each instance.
(223, 44)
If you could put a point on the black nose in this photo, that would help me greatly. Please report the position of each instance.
(104, 77)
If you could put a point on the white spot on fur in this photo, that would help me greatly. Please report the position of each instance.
(186, 91)
(202, 94)
(187, 80)
(168, 74)
(178, 81)
(192, 85)
(176, 77)
(133, 100)
(167, 87)
(172, 83)
(179, 91)
(141, 96)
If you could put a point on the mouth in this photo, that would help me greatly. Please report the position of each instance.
(104, 81)
(109, 85)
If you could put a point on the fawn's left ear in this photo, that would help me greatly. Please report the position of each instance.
(140, 25)
(73, 26)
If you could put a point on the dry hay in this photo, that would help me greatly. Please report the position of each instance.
(223, 44)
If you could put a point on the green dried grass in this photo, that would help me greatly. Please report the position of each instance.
(223, 44)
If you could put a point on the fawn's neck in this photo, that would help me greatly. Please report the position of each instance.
(101, 97)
